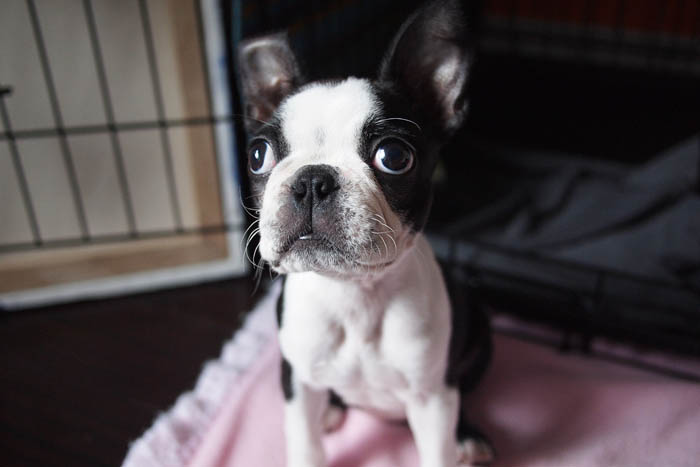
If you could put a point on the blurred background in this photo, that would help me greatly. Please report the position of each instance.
(571, 199)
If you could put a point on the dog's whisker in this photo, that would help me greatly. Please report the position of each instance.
(247, 257)
(247, 244)
(395, 251)
(389, 228)
(251, 237)
(252, 224)
(386, 248)
(252, 196)
(390, 232)
(259, 264)
(400, 119)
(250, 260)
(396, 247)
(382, 221)
(245, 239)
(258, 276)
(248, 117)
(251, 211)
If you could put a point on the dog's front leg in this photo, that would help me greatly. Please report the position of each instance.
(303, 428)
(433, 420)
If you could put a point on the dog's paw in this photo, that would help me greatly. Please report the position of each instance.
(333, 418)
(474, 451)
(309, 457)
(305, 463)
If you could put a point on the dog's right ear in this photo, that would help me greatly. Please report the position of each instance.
(268, 73)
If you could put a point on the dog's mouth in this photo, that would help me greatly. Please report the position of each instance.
(324, 253)
(309, 241)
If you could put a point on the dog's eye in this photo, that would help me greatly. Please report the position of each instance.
(393, 157)
(261, 158)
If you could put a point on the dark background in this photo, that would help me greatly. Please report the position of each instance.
(611, 83)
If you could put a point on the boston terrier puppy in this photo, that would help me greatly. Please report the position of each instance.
(341, 171)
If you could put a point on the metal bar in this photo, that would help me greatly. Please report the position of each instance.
(653, 49)
(586, 33)
(117, 238)
(680, 14)
(160, 109)
(201, 37)
(512, 32)
(572, 297)
(539, 257)
(203, 53)
(599, 292)
(232, 13)
(597, 354)
(21, 177)
(549, 34)
(58, 118)
(109, 111)
(619, 33)
(119, 127)
(697, 182)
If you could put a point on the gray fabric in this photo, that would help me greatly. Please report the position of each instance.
(645, 221)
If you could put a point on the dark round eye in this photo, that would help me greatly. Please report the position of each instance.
(261, 158)
(393, 157)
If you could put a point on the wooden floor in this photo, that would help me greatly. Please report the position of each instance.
(78, 382)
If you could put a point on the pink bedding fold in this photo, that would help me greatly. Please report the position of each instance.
(539, 407)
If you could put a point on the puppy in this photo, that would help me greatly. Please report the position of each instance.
(342, 174)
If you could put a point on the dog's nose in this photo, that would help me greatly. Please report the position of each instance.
(313, 185)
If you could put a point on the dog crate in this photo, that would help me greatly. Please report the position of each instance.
(572, 195)
(116, 158)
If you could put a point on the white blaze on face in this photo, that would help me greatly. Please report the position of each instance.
(322, 124)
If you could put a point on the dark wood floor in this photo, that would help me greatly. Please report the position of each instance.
(78, 382)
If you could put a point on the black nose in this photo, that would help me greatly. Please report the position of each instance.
(314, 186)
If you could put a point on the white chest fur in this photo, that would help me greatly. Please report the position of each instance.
(373, 341)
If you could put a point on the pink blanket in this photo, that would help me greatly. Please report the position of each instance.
(540, 408)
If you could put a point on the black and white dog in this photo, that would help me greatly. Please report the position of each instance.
(342, 172)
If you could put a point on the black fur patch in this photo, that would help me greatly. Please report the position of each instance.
(432, 37)
(286, 373)
(466, 430)
(409, 194)
(337, 401)
(280, 303)
(470, 342)
(286, 380)
(271, 133)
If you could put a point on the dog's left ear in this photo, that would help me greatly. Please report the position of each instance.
(428, 62)
(269, 72)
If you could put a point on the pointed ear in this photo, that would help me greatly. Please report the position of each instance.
(428, 62)
(268, 72)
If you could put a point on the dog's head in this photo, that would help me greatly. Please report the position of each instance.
(341, 170)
